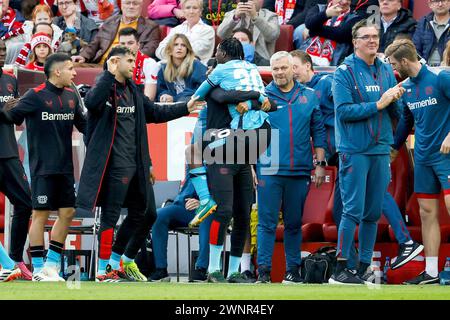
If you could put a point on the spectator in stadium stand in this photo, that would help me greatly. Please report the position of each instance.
(394, 20)
(446, 56)
(291, 12)
(11, 23)
(181, 73)
(41, 48)
(214, 11)
(246, 39)
(99, 10)
(146, 69)
(433, 32)
(262, 23)
(41, 14)
(108, 35)
(25, 51)
(71, 18)
(166, 12)
(328, 31)
(365, 96)
(425, 107)
(200, 35)
(287, 180)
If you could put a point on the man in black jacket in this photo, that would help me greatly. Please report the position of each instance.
(116, 171)
(51, 111)
(13, 182)
(394, 20)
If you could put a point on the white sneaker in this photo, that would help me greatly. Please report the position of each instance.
(48, 274)
(9, 274)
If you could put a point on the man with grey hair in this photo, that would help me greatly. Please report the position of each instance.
(286, 181)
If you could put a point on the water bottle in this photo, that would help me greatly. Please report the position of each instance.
(387, 265)
(444, 276)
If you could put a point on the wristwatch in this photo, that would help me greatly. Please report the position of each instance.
(322, 163)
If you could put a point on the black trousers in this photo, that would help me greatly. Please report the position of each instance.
(131, 246)
(120, 188)
(14, 184)
(232, 189)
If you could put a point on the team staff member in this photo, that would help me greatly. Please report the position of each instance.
(116, 172)
(13, 182)
(426, 106)
(364, 89)
(286, 183)
(322, 83)
(51, 111)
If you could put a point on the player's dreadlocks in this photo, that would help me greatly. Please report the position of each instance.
(232, 48)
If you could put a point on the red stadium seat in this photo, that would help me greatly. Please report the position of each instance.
(401, 181)
(285, 41)
(2, 212)
(414, 228)
(86, 75)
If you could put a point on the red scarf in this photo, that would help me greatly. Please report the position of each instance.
(284, 10)
(138, 72)
(321, 50)
(10, 22)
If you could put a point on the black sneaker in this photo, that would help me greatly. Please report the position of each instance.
(264, 277)
(247, 274)
(160, 275)
(216, 277)
(406, 252)
(369, 277)
(199, 275)
(292, 277)
(237, 277)
(346, 277)
(423, 278)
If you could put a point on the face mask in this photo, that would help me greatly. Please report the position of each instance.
(249, 51)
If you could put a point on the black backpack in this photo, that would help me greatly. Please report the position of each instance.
(319, 266)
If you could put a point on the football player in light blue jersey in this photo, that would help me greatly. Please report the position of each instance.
(236, 74)
(231, 73)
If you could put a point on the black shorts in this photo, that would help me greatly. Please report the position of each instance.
(51, 192)
(231, 146)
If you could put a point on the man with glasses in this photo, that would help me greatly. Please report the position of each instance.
(433, 32)
(394, 20)
(71, 18)
(365, 92)
(108, 35)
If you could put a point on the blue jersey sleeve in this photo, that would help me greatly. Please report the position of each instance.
(404, 126)
(318, 132)
(213, 80)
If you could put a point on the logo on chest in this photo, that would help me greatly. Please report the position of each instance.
(4, 99)
(125, 110)
(422, 104)
(372, 89)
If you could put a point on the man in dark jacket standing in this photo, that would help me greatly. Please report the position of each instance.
(116, 169)
(394, 20)
(433, 32)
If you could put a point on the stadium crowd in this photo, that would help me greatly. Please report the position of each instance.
(354, 119)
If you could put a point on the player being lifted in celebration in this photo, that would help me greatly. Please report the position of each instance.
(51, 110)
(231, 73)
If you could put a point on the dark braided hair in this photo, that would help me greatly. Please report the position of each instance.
(232, 48)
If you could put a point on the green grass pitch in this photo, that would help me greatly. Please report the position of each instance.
(191, 291)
